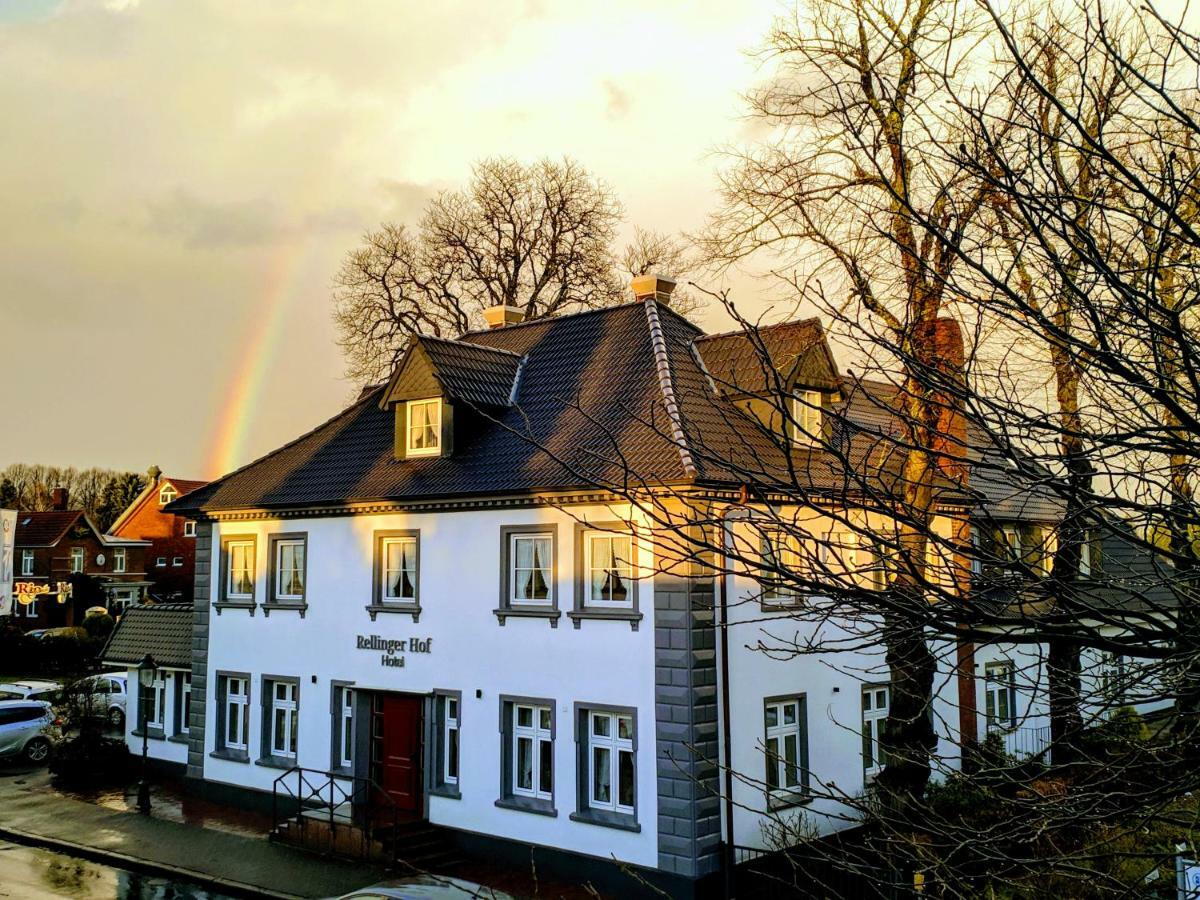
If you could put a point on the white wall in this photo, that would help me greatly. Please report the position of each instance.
(603, 662)
(156, 748)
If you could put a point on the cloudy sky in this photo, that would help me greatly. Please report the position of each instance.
(180, 181)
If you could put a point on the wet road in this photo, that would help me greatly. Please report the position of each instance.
(30, 874)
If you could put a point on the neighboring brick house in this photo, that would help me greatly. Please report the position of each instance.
(61, 547)
(171, 557)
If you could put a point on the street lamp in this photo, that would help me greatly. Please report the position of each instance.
(146, 669)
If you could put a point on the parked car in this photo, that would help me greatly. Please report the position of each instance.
(107, 693)
(29, 729)
(49, 691)
(427, 887)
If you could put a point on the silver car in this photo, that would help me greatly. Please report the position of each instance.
(48, 691)
(28, 728)
(427, 887)
(107, 693)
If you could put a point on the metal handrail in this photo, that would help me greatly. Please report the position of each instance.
(320, 790)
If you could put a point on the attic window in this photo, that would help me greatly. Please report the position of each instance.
(167, 494)
(806, 417)
(424, 428)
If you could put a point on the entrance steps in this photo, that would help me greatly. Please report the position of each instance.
(414, 846)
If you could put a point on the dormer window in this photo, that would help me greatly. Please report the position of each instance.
(424, 428)
(807, 421)
(167, 494)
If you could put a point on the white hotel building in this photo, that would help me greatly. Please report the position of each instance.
(438, 595)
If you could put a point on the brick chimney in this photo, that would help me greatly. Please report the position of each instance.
(950, 361)
(501, 315)
(58, 499)
(657, 286)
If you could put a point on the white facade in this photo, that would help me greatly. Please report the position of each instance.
(167, 740)
(604, 664)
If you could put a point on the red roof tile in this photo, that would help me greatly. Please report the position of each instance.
(44, 529)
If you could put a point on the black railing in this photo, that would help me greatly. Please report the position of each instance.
(342, 815)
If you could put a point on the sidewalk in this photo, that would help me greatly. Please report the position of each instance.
(223, 860)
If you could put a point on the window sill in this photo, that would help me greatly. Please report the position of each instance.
(632, 616)
(606, 819)
(787, 800)
(276, 762)
(240, 756)
(781, 606)
(343, 771)
(518, 612)
(447, 791)
(177, 739)
(248, 605)
(154, 734)
(529, 805)
(285, 606)
(405, 609)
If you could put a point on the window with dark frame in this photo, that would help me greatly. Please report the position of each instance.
(399, 561)
(283, 722)
(288, 568)
(424, 428)
(608, 570)
(447, 718)
(783, 552)
(1000, 696)
(233, 695)
(786, 749)
(875, 706)
(612, 765)
(238, 570)
(531, 568)
(183, 688)
(26, 562)
(527, 757)
(345, 726)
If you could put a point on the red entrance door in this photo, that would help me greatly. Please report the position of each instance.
(396, 749)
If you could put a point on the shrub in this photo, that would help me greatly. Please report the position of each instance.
(99, 626)
(91, 759)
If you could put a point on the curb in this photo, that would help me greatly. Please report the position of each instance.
(145, 866)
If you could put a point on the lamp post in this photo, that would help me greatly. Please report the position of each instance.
(146, 669)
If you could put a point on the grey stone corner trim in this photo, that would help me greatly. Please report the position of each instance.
(686, 739)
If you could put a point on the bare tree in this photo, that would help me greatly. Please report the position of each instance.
(537, 237)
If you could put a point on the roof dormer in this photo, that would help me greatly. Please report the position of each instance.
(435, 378)
(784, 376)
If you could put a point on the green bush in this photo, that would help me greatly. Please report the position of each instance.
(91, 759)
(99, 626)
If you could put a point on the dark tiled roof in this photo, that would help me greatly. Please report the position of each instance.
(44, 529)
(995, 484)
(750, 362)
(163, 630)
(185, 485)
(589, 403)
(474, 374)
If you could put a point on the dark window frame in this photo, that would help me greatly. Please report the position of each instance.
(273, 602)
(266, 705)
(548, 610)
(783, 798)
(337, 691)
(379, 604)
(584, 812)
(220, 695)
(581, 611)
(224, 601)
(180, 728)
(508, 799)
(439, 787)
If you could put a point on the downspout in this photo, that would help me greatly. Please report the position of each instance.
(726, 731)
(726, 740)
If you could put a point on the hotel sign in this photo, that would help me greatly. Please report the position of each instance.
(391, 650)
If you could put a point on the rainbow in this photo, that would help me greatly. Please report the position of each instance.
(239, 397)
